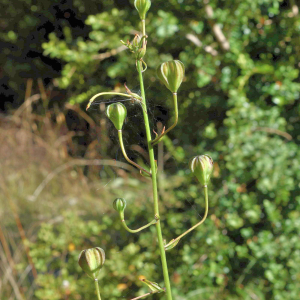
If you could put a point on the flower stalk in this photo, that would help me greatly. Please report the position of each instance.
(195, 226)
(158, 138)
(139, 229)
(171, 74)
(120, 135)
(154, 188)
(97, 289)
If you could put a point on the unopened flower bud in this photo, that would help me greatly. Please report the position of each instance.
(171, 74)
(202, 166)
(142, 6)
(119, 205)
(91, 261)
(117, 112)
(141, 52)
(136, 42)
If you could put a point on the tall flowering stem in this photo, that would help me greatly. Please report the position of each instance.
(154, 187)
(171, 74)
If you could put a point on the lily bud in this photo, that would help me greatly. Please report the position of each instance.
(91, 261)
(136, 42)
(202, 166)
(117, 112)
(154, 287)
(141, 52)
(142, 6)
(171, 74)
(119, 205)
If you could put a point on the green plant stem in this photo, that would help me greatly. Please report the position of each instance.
(125, 154)
(139, 229)
(157, 139)
(144, 27)
(106, 93)
(192, 228)
(97, 289)
(154, 187)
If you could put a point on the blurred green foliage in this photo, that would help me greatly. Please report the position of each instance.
(239, 104)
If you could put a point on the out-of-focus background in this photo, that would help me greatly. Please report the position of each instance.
(61, 167)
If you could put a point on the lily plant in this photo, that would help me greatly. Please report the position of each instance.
(171, 74)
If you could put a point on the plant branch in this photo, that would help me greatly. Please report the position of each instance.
(199, 223)
(139, 229)
(125, 154)
(157, 139)
(106, 93)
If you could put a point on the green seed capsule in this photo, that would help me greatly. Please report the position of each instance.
(171, 74)
(119, 205)
(142, 6)
(141, 52)
(202, 166)
(117, 112)
(91, 261)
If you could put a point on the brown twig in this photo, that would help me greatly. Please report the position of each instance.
(141, 151)
(195, 40)
(29, 84)
(26, 104)
(42, 89)
(275, 131)
(215, 27)
(7, 250)
(8, 273)
(295, 9)
(19, 226)
(81, 113)
(110, 53)
(78, 162)
(142, 296)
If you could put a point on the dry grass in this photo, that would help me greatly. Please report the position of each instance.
(40, 180)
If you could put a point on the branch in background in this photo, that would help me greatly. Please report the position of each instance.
(275, 131)
(110, 53)
(295, 9)
(194, 39)
(78, 162)
(113, 52)
(8, 273)
(19, 225)
(141, 151)
(7, 250)
(29, 84)
(151, 293)
(216, 28)
(81, 113)
(27, 103)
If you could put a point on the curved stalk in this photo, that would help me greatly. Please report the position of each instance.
(97, 289)
(199, 223)
(136, 230)
(125, 154)
(106, 93)
(157, 139)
